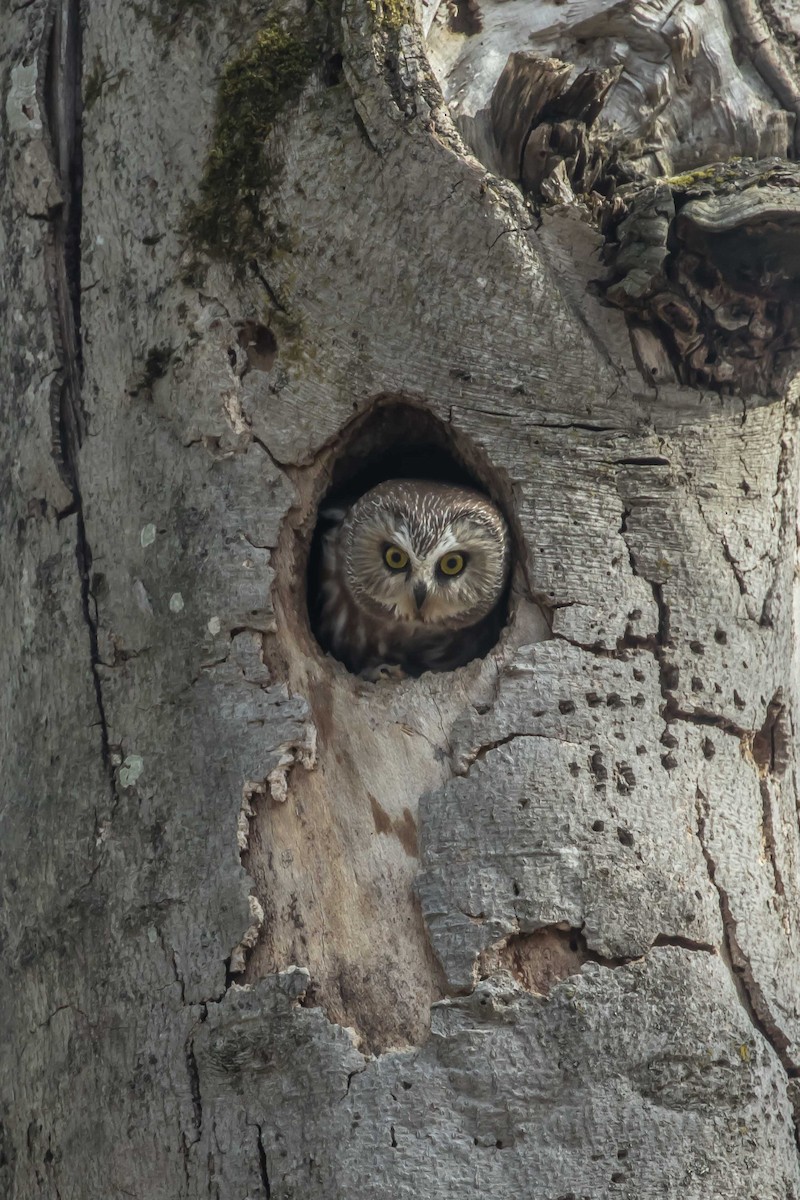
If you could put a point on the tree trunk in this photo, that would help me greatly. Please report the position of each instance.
(526, 929)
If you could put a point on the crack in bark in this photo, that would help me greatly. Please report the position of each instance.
(185, 1148)
(582, 425)
(477, 755)
(61, 106)
(268, 288)
(683, 943)
(768, 830)
(62, 1008)
(652, 460)
(733, 563)
(540, 958)
(668, 671)
(748, 989)
(663, 638)
(262, 1162)
(750, 994)
(193, 1072)
(788, 508)
(727, 553)
(481, 751)
(276, 462)
(351, 1077)
(702, 716)
(518, 229)
(596, 648)
(60, 67)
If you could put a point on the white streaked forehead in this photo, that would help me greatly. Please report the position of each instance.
(448, 541)
(402, 537)
(427, 520)
(398, 534)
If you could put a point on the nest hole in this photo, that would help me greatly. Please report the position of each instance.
(398, 440)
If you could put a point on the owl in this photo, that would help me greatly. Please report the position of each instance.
(411, 578)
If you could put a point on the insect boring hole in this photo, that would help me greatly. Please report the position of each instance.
(410, 561)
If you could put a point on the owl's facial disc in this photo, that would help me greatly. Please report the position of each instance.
(425, 553)
(419, 585)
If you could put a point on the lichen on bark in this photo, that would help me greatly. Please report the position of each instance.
(390, 14)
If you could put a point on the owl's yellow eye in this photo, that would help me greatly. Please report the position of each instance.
(395, 558)
(452, 564)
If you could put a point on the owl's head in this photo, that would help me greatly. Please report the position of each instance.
(425, 552)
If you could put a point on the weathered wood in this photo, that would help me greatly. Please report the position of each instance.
(712, 260)
(683, 99)
(526, 86)
(526, 929)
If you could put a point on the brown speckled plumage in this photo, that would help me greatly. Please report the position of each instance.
(369, 616)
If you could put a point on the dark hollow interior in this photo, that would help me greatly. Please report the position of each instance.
(397, 441)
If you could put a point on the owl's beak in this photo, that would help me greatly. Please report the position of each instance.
(420, 594)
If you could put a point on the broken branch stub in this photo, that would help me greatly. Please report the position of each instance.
(523, 89)
(711, 261)
(705, 264)
(540, 121)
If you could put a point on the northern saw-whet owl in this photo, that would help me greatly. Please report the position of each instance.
(411, 579)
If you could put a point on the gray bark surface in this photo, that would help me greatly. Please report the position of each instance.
(527, 929)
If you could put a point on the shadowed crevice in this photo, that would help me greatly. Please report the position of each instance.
(61, 103)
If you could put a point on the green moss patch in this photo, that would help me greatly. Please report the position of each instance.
(255, 88)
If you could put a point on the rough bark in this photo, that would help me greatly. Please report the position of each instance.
(526, 929)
